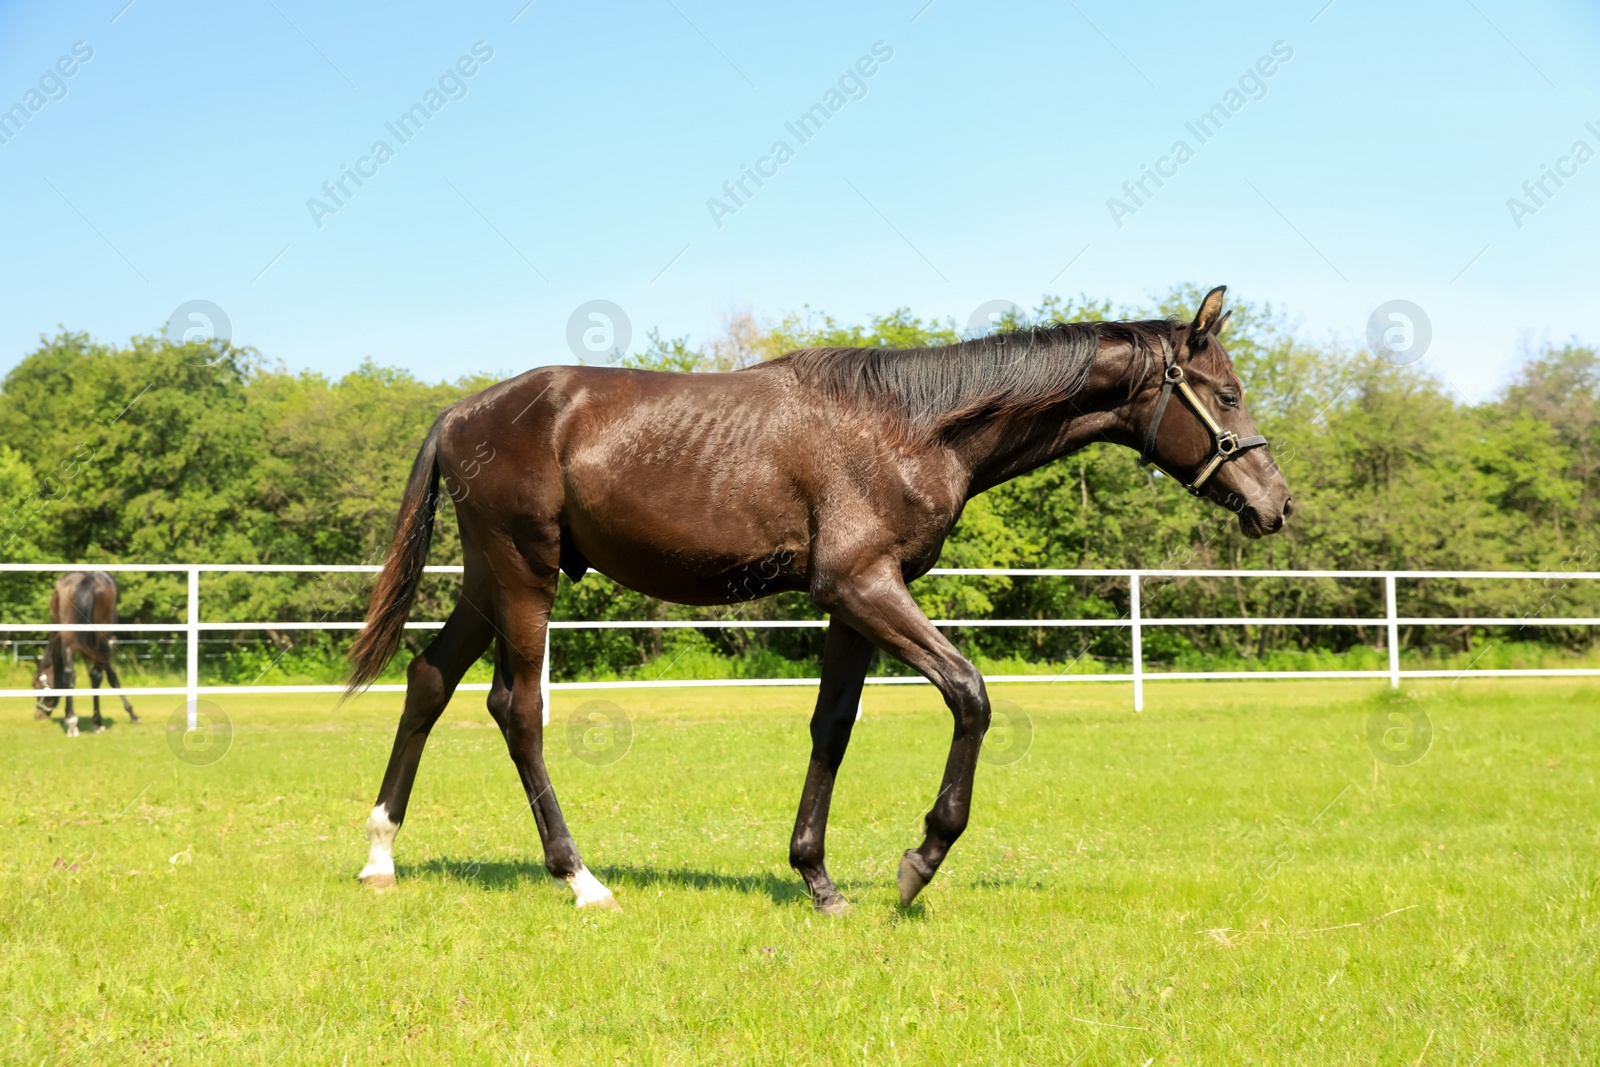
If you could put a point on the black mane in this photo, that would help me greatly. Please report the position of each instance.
(1016, 373)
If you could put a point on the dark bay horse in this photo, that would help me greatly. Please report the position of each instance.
(837, 472)
(85, 598)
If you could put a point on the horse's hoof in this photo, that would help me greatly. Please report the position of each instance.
(37, 714)
(99, 729)
(379, 883)
(605, 903)
(837, 906)
(914, 875)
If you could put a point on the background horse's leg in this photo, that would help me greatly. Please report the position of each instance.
(845, 659)
(116, 683)
(64, 680)
(95, 677)
(41, 710)
(430, 680)
(526, 614)
(878, 604)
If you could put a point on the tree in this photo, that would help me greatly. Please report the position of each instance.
(157, 451)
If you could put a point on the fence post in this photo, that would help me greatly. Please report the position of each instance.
(192, 632)
(1394, 631)
(1138, 642)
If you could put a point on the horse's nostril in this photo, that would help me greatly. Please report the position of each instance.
(1288, 506)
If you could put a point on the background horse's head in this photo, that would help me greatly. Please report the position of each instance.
(44, 677)
(1205, 418)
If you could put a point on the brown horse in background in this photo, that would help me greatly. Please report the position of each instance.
(836, 472)
(80, 598)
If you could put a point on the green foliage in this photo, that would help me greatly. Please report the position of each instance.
(157, 452)
(898, 329)
(673, 354)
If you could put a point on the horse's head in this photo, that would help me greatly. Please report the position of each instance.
(1199, 432)
(44, 677)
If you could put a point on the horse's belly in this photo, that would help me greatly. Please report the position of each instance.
(661, 572)
(694, 555)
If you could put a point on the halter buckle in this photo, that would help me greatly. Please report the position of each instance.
(1174, 373)
(1227, 442)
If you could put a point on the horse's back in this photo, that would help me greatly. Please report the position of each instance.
(683, 486)
(674, 484)
(704, 440)
(84, 598)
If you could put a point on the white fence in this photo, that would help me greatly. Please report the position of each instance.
(1135, 622)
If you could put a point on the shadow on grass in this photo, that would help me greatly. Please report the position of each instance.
(85, 724)
(904, 914)
(492, 875)
(780, 890)
(516, 876)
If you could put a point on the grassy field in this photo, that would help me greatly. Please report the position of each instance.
(1230, 877)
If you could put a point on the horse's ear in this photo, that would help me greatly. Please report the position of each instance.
(1222, 324)
(1208, 316)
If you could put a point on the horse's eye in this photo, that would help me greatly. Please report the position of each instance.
(1229, 399)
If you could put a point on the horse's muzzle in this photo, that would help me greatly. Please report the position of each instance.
(1253, 524)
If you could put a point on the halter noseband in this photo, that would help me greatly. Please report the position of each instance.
(1226, 443)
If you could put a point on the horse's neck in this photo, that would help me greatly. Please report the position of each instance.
(1009, 446)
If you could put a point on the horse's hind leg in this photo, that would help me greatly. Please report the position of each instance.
(877, 603)
(430, 681)
(116, 683)
(96, 675)
(519, 709)
(845, 660)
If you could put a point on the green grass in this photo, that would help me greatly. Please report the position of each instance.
(1228, 878)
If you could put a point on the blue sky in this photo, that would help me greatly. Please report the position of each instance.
(976, 164)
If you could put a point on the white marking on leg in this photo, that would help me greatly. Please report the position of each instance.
(72, 726)
(380, 837)
(588, 889)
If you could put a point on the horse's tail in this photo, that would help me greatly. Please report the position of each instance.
(75, 608)
(83, 599)
(396, 586)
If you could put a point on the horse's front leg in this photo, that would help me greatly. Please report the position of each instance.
(845, 660)
(41, 710)
(875, 601)
(65, 680)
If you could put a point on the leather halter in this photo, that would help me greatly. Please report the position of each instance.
(1225, 443)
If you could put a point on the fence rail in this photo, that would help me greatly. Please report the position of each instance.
(1134, 621)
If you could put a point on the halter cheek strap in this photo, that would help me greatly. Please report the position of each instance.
(1225, 444)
